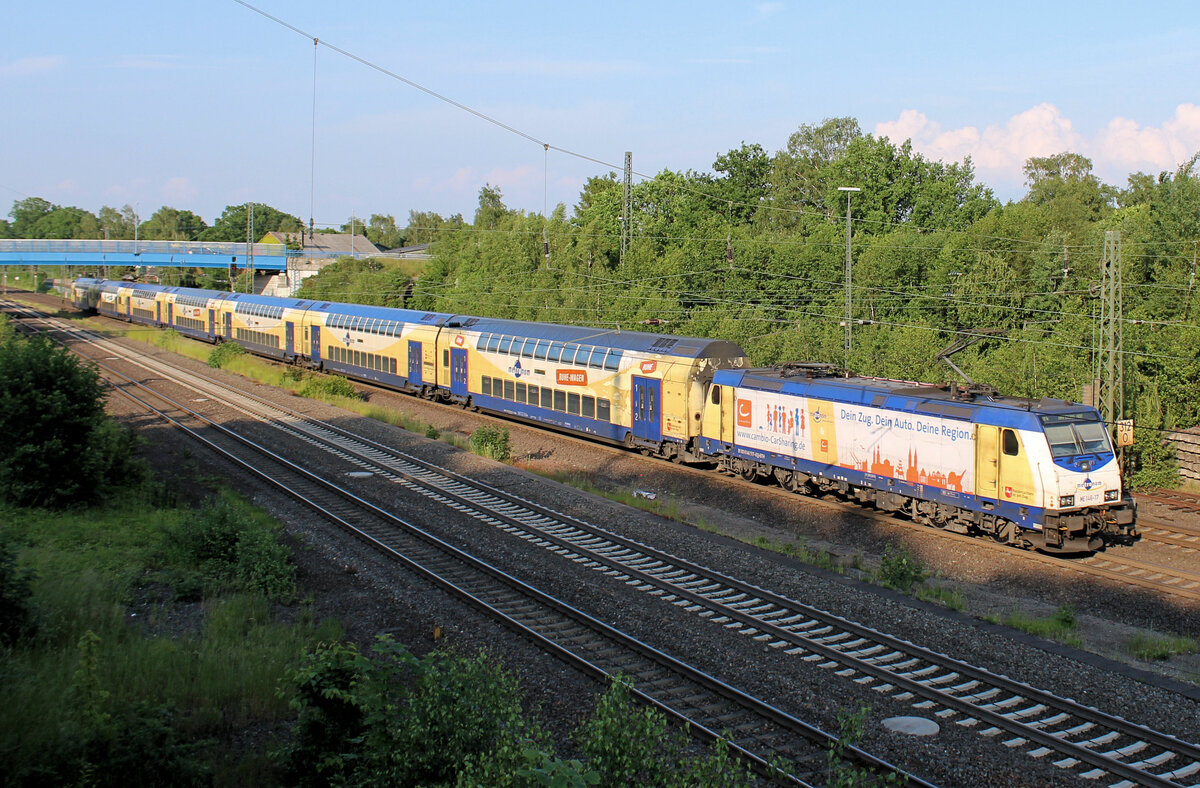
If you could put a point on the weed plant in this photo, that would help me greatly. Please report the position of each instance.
(1151, 647)
(900, 570)
(1059, 626)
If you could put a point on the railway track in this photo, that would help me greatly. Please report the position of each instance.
(1078, 738)
(775, 743)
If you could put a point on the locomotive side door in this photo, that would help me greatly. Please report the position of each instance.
(158, 312)
(414, 363)
(458, 371)
(987, 461)
(647, 408)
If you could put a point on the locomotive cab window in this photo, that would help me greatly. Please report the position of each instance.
(1010, 444)
(716, 395)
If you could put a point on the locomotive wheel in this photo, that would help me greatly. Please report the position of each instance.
(747, 471)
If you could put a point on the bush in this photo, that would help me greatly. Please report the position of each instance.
(57, 446)
(400, 720)
(328, 387)
(223, 353)
(231, 549)
(899, 569)
(491, 442)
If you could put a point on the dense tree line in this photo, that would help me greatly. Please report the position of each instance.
(754, 252)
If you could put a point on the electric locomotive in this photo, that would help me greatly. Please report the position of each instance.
(1038, 473)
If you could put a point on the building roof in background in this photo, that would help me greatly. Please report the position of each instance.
(332, 243)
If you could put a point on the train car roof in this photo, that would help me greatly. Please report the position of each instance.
(952, 401)
(634, 341)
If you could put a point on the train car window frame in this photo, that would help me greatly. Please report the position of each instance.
(556, 349)
(505, 345)
(527, 350)
(1010, 445)
(589, 407)
(445, 358)
(485, 386)
(560, 400)
(715, 396)
(481, 343)
(547, 398)
(539, 351)
(510, 390)
(493, 343)
(392, 364)
(612, 361)
(573, 403)
(596, 361)
(603, 410)
(520, 393)
(532, 396)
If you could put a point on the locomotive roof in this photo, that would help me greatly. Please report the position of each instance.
(817, 380)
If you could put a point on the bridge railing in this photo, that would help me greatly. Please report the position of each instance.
(139, 247)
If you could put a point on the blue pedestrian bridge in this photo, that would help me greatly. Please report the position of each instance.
(178, 254)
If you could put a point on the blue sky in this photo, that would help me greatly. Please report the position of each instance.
(199, 105)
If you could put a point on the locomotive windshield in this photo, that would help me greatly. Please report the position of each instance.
(1076, 433)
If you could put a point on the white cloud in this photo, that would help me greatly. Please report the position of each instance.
(30, 65)
(999, 151)
(178, 190)
(1128, 143)
(765, 10)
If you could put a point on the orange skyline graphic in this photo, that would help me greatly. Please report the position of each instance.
(913, 473)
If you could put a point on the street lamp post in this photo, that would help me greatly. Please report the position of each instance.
(849, 190)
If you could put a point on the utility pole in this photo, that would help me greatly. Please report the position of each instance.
(849, 298)
(627, 204)
(1112, 332)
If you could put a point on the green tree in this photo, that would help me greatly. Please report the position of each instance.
(57, 447)
(26, 213)
(68, 222)
(747, 181)
(172, 224)
(800, 176)
(233, 223)
(382, 231)
(1071, 196)
(117, 224)
(491, 208)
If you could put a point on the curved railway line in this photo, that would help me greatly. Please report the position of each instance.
(1078, 738)
(768, 738)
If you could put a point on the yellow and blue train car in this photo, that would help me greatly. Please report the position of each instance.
(639, 389)
(1038, 472)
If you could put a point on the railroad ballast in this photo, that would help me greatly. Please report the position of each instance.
(1037, 473)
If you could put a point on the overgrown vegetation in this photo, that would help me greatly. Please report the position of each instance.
(1152, 647)
(1060, 625)
(899, 569)
(328, 387)
(57, 448)
(842, 772)
(491, 442)
(448, 718)
(224, 353)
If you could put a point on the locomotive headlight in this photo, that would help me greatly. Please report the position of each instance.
(1112, 495)
(1066, 500)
